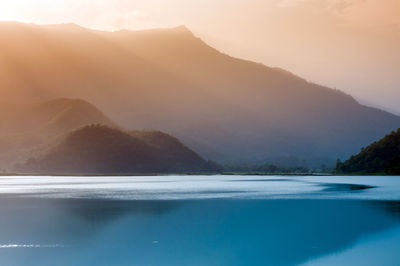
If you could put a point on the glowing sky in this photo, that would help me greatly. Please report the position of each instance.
(352, 45)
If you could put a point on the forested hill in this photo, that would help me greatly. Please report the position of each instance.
(97, 149)
(382, 156)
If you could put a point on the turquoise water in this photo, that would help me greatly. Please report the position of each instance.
(209, 220)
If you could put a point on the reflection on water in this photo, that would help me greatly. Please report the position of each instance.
(185, 232)
(345, 187)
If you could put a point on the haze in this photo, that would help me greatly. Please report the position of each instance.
(351, 45)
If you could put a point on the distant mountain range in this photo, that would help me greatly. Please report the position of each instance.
(381, 157)
(226, 109)
(98, 149)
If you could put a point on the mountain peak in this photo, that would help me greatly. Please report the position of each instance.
(64, 26)
(178, 31)
(182, 28)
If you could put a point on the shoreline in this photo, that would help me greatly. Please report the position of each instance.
(190, 174)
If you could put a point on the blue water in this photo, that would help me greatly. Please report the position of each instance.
(200, 220)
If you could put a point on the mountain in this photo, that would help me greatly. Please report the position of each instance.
(382, 156)
(26, 126)
(226, 109)
(98, 149)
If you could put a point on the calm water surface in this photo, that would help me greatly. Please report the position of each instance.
(200, 220)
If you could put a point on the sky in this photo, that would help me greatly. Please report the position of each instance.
(351, 45)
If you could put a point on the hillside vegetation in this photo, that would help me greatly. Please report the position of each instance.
(98, 149)
(382, 156)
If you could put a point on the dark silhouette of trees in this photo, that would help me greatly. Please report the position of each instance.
(382, 156)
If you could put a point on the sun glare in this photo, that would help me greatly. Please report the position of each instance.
(13, 10)
(4, 11)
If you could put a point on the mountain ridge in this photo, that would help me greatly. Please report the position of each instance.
(225, 108)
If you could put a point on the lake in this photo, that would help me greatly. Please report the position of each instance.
(200, 220)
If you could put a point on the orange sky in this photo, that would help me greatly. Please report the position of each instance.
(352, 45)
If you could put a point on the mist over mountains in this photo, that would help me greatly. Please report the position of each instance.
(226, 109)
(26, 128)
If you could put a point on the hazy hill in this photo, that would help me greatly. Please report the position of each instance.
(382, 156)
(98, 149)
(26, 126)
(224, 108)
